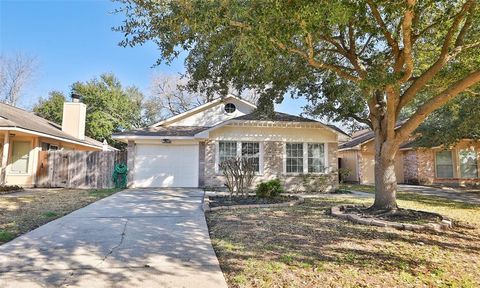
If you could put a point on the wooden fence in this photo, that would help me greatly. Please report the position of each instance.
(78, 169)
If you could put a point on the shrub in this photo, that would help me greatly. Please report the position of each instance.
(269, 189)
(239, 173)
(344, 173)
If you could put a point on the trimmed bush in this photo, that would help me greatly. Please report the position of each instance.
(269, 189)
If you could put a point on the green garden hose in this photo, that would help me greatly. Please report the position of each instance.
(119, 175)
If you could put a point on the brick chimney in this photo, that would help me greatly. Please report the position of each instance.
(73, 120)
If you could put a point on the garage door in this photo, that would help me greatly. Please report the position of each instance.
(166, 165)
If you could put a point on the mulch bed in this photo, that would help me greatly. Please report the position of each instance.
(400, 215)
(217, 201)
(7, 189)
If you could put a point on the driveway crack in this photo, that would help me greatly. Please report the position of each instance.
(122, 237)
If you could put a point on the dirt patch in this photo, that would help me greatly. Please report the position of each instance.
(25, 211)
(400, 215)
(217, 201)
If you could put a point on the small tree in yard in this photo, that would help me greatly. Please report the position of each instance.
(239, 173)
(364, 60)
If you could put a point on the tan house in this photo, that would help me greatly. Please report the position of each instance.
(457, 165)
(23, 135)
(186, 150)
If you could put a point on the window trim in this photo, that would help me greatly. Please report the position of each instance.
(239, 154)
(453, 163)
(305, 159)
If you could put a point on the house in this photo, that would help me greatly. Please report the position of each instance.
(186, 149)
(23, 135)
(457, 165)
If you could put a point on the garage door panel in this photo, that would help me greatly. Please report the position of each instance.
(166, 166)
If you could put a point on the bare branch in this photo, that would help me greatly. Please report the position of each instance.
(388, 36)
(407, 40)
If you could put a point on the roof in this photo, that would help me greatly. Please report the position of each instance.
(201, 107)
(358, 140)
(176, 131)
(277, 116)
(14, 117)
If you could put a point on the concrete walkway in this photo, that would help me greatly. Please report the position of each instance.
(135, 238)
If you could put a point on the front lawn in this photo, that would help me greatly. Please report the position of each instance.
(302, 246)
(25, 211)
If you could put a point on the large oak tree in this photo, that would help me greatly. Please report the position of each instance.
(364, 60)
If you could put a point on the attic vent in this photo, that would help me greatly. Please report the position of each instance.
(230, 108)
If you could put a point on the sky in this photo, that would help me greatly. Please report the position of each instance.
(73, 41)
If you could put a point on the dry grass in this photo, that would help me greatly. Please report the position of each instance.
(25, 211)
(302, 246)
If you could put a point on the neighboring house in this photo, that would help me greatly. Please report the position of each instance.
(457, 165)
(185, 150)
(23, 135)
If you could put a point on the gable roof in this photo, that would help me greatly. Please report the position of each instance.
(13, 118)
(202, 107)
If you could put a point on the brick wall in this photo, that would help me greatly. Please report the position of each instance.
(273, 168)
(410, 167)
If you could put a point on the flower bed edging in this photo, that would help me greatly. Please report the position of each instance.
(445, 224)
(206, 204)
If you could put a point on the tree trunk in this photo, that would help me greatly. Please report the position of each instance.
(385, 178)
(385, 183)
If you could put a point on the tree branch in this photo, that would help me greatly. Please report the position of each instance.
(443, 58)
(388, 36)
(407, 41)
(436, 102)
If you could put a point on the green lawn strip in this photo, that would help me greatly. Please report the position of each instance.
(24, 213)
(302, 246)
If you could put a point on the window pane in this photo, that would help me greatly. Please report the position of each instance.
(294, 159)
(227, 150)
(251, 150)
(468, 164)
(316, 158)
(444, 164)
(20, 157)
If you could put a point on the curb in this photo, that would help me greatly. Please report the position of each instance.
(444, 225)
(206, 205)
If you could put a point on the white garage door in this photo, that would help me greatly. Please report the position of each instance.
(166, 165)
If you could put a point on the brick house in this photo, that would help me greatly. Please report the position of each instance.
(457, 165)
(186, 150)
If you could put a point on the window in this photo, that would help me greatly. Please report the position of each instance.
(251, 150)
(227, 150)
(230, 108)
(444, 164)
(20, 157)
(49, 147)
(468, 164)
(294, 157)
(316, 158)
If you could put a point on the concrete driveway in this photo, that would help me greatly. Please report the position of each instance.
(135, 238)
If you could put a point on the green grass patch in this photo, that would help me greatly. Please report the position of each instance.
(50, 214)
(102, 193)
(6, 236)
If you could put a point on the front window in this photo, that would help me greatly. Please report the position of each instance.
(316, 158)
(227, 150)
(20, 157)
(444, 164)
(251, 150)
(294, 159)
(468, 164)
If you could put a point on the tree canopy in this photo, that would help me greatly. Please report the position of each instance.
(110, 107)
(363, 60)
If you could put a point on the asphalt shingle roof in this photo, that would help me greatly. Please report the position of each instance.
(165, 131)
(18, 118)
